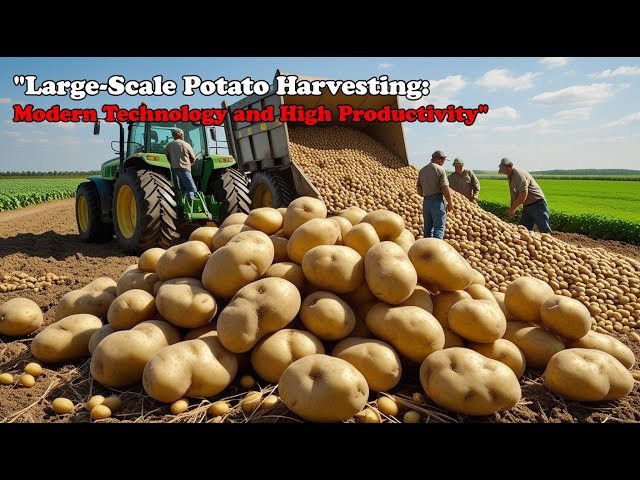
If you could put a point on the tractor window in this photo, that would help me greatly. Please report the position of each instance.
(136, 139)
(194, 137)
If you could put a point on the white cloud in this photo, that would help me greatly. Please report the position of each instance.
(626, 120)
(618, 71)
(580, 113)
(502, 113)
(585, 94)
(500, 78)
(385, 66)
(5, 100)
(554, 62)
(64, 125)
(540, 126)
(442, 92)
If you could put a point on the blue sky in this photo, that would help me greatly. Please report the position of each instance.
(544, 113)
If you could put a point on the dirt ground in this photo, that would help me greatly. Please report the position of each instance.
(43, 239)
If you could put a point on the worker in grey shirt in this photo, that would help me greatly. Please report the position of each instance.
(464, 181)
(433, 186)
(525, 191)
(181, 156)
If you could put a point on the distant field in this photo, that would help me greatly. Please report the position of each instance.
(16, 193)
(598, 208)
(541, 176)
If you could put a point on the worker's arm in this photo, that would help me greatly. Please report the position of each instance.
(419, 188)
(192, 154)
(518, 201)
(475, 187)
(446, 192)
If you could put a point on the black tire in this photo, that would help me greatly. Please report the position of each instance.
(231, 189)
(90, 226)
(278, 189)
(156, 214)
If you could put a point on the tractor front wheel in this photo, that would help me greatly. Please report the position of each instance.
(269, 189)
(144, 211)
(88, 215)
(231, 189)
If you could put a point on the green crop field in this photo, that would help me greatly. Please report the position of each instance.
(598, 208)
(16, 193)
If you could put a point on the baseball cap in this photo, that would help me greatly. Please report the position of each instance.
(458, 161)
(505, 162)
(438, 154)
(177, 130)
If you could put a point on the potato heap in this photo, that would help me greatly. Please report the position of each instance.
(23, 281)
(330, 324)
(349, 168)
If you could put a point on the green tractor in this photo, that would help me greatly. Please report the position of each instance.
(136, 197)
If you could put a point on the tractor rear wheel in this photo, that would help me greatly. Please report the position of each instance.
(231, 190)
(90, 226)
(144, 210)
(269, 190)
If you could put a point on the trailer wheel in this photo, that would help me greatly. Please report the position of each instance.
(90, 227)
(231, 189)
(269, 190)
(144, 210)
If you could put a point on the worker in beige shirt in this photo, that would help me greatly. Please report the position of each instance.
(525, 191)
(433, 186)
(181, 156)
(464, 181)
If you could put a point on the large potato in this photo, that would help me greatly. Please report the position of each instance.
(66, 340)
(204, 234)
(587, 375)
(185, 303)
(524, 297)
(136, 279)
(244, 259)
(119, 359)
(478, 278)
(353, 214)
(375, 359)
(276, 351)
(131, 308)
(361, 238)
(334, 268)
(438, 263)
(412, 331)
(193, 368)
(94, 299)
(266, 219)
(464, 381)
(321, 388)
(327, 316)
(289, 271)
(260, 308)
(148, 261)
(314, 232)
(606, 343)
(565, 316)
(442, 303)
(504, 351)
(537, 344)
(300, 210)
(419, 298)
(184, 260)
(479, 321)
(389, 273)
(20, 316)
(99, 335)
(389, 225)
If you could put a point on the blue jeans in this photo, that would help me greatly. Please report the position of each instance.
(435, 216)
(184, 182)
(537, 213)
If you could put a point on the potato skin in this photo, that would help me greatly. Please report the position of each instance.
(334, 268)
(477, 320)
(324, 389)
(66, 340)
(389, 272)
(131, 308)
(20, 316)
(94, 298)
(439, 264)
(301, 210)
(327, 316)
(266, 219)
(100, 335)
(289, 271)
(524, 297)
(388, 225)
(193, 368)
(149, 258)
(464, 381)
(184, 260)
(504, 351)
(537, 344)
(361, 238)
(136, 278)
(565, 316)
(185, 303)
(314, 232)
(606, 343)
(587, 375)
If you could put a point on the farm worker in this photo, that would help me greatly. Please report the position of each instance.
(525, 191)
(181, 156)
(464, 181)
(433, 186)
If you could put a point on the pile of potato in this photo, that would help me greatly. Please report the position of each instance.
(350, 168)
(332, 309)
(23, 281)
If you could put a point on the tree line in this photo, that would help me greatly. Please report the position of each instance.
(54, 173)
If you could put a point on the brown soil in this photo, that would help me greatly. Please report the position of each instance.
(43, 238)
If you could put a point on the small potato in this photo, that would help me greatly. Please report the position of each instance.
(479, 321)
(179, 406)
(439, 264)
(587, 375)
(464, 381)
(204, 234)
(247, 381)
(218, 408)
(269, 402)
(62, 405)
(27, 380)
(94, 402)
(334, 268)
(186, 303)
(266, 219)
(20, 316)
(368, 415)
(33, 369)
(131, 308)
(250, 402)
(289, 271)
(565, 316)
(300, 210)
(524, 297)
(353, 214)
(389, 225)
(321, 388)
(100, 335)
(411, 417)
(6, 379)
(606, 343)
(375, 359)
(389, 273)
(419, 298)
(537, 344)
(148, 261)
(137, 279)
(503, 351)
(387, 406)
(66, 339)
(184, 260)
(100, 412)
(327, 316)
(113, 402)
